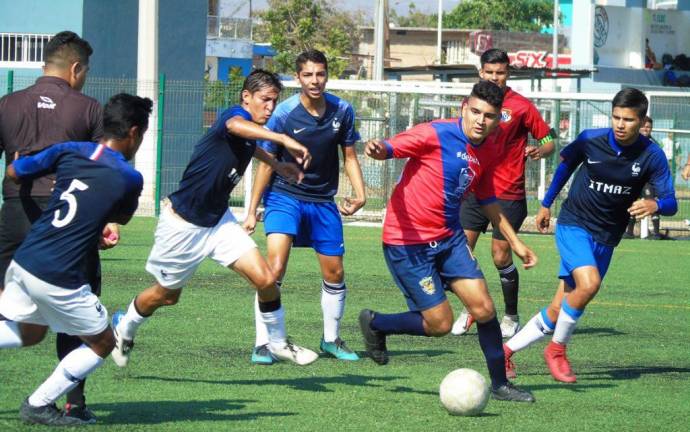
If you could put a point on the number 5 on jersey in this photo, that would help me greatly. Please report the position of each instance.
(71, 203)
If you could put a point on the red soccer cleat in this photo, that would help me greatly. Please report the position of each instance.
(558, 363)
(510, 366)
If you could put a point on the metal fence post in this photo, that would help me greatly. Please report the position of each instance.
(10, 81)
(159, 140)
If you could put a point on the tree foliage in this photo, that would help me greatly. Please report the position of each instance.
(414, 18)
(293, 26)
(509, 15)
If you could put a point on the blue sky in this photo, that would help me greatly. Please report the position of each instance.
(368, 6)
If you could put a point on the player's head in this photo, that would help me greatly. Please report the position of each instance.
(481, 113)
(647, 126)
(67, 56)
(494, 67)
(125, 120)
(260, 93)
(629, 110)
(311, 70)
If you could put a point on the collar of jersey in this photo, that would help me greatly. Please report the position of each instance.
(620, 149)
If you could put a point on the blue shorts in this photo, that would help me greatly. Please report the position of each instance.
(422, 271)
(312, 224)
(578, 249)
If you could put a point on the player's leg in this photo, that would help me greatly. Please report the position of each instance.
(474, 294)
(516, 212)
(474, 223)
(21, 322)
(252, 266)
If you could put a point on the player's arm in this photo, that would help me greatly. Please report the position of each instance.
(498, 220)
(665, 204)
(289, 171)
(541, 132)
(408, 144)
(38, 165)
(685, 171)
(261, 180)
(247, 129)
(128, 204)
(349, 206)
(545, 147)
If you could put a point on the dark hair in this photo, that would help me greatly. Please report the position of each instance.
(494, 55)
(124, 111)
(631, 98)
(259, 79)
(489, 93)
(312, 55)
(66, 48)
(649, 120)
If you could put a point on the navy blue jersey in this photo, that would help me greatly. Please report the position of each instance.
(323, 136)
(610, 179)
(217, 165)
(94, 185)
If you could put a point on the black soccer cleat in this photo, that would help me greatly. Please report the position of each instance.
(82, 412)
(47, 415)
(374, 341)
(508, 392)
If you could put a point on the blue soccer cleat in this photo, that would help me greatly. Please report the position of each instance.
(339, 350)
(123, 347)
(261, 355)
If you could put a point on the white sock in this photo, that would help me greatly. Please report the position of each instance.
(69, 372)
(261, 330)
(9, 335)
(333, 307)
(275, 326)
(127, 328)
(567, 321)
(536, 329)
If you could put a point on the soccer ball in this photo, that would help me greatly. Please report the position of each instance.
(464, 392)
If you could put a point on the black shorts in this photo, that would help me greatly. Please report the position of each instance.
(473, 219)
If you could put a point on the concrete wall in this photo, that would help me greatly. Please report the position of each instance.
(182, 38)
(40, 16)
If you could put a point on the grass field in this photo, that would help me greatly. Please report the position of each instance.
(190, 369)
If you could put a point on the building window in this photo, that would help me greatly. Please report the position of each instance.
(22, 49)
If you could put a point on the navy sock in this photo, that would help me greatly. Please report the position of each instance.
(401, 323)
(492, 346)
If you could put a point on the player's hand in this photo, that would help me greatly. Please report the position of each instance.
(290, 171)
(643, 208)
(533, 152)
(685, 172)
(349, 206)
(249, 223)
(528, 257)
(543, 220)
(375, 149)
(298, 151)
(110, 236)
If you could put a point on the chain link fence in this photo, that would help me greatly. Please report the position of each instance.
(384, 109)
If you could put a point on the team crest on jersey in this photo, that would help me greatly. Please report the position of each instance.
(427, 285)
(636, 169)
(506, 115)
(336, 125)
(464, 181)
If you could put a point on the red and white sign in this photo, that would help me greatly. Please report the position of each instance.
(537, 59)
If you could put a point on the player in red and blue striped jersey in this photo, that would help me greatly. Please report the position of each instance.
(615, 164)
(423, 241)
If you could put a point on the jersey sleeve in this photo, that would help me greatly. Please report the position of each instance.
(574, 153)
(96, 120)
(275, 124)
(44, 162)
(411, 143)
(130, 201)
(351, 136)
(536, 125)
(662, 181)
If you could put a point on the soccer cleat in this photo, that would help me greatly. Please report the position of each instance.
(339, 350)
(261, 355)
(82, 412)
(374, 341)
(46, 415)
(558, 363)
(463, 324)
(508, 392)
(510, 324)
(294, 353)
(123, 347)
(510, 366)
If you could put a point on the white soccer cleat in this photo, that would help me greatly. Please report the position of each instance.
(463, 324)
(123, 347)
(510, 324)
(294, 353)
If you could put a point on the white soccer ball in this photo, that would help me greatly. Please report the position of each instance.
(464, 392)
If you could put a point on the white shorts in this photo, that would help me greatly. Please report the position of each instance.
(28, 299)
(180, 247)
